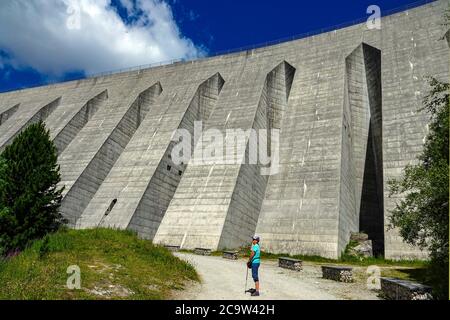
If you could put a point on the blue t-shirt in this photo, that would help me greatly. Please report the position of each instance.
(256, 257)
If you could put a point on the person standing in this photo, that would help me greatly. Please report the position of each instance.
(254, 261)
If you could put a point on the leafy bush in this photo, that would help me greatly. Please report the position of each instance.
(422, 217)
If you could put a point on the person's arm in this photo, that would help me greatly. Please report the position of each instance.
(252, 254)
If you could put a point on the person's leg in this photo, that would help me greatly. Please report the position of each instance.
(255, 277)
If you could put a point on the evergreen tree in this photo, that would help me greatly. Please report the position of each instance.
(29, 197)
(423, 216)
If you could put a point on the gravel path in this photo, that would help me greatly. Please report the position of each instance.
(225, 279)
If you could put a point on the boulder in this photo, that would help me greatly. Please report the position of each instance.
(360, 245)
(364, 248)
(358, 236)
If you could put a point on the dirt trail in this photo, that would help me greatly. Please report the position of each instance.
(225, 279)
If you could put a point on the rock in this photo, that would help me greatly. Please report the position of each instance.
(111, 291)
(358, 236)
(364, 248)
(360, 245)
(421, 296)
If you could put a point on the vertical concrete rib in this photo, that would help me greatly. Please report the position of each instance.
(65, 124)
(144, 187)
(361, 200)
(32, 113)
(80, 192)
(216, 204)
(245, 206)
(5, 115)
(196, 214)
(164, 182)
(447, 37)
(372, 200)
(300, 207)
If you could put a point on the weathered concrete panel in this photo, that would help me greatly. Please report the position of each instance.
(65, 124)
(32, 113)
(217, 205)
(5, 115)
(361, 202)
(141, 181)
(77, 197)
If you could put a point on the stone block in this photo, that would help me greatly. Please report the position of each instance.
(202, 251)
(289, 263)
(232, 255)
(172, 248)
(398, 289)
(337, 273)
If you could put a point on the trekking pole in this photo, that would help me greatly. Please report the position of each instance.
(246, 277)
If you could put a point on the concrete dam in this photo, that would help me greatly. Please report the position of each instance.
(345, 107)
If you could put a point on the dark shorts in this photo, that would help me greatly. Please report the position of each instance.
(255, 267)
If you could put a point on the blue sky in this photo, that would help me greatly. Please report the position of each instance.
(39, 43)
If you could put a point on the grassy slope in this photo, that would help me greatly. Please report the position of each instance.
(114, 265)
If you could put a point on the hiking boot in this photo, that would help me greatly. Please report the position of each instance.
(255, 294)
(251, 290)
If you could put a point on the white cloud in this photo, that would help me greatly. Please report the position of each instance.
(129, 5)
(57, 36)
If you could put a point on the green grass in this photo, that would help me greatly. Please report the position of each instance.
(414, 274)
(116, 263)
(345, 259)
(379, 261)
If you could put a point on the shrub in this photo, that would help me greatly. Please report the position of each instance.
(29, 196)
(422, 216)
